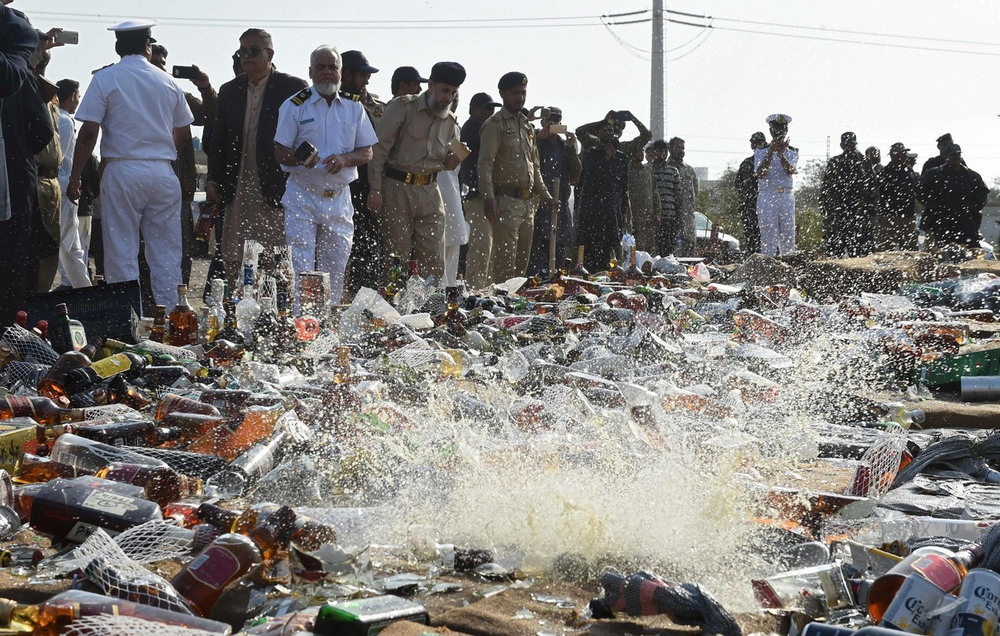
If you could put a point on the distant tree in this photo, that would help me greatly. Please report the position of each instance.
(808, 213)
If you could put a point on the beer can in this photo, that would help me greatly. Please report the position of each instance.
(981, 591)
(913, 608)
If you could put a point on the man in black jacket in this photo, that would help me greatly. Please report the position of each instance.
(746, 190)
(954, 197)
(847, 194)
(895, 224)
(242, 171)
(27, 129)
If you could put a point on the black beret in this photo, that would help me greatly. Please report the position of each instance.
(945, 138)
(451, 73)
(848, 138)
(512, 79)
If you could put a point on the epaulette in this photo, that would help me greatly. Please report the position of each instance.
(494, 117)
(98, 70)
(354, 97)
(299, 98)
(793, 148)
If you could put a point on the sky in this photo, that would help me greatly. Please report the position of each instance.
(887, 70)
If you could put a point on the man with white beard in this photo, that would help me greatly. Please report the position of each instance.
(319, 225)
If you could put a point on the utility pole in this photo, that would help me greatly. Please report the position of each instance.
(828, 147)
(658, 74)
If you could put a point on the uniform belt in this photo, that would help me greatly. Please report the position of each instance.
(134, 159)
(326, 193)
(48, 173)
(411, 178)
(512, 191)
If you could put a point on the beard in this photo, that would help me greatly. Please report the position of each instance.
(327, 89)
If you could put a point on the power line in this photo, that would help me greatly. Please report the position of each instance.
(707, 33)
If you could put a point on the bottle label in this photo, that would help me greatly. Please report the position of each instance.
(109, 502)
(79, 336)
(20, 406)
(112, 365)
(215, 567)
(939, 570)
(80, 531)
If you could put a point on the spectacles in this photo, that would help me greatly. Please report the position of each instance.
(253, 51)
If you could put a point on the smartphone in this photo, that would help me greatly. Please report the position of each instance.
(185, 72)
(458, 149)
(621, 115)
(557, 129)
(67, 37)
(306, 152)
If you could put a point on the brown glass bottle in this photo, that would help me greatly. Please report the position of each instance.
(53, 383)
(55, 615)
(615, 272)
(183, 321)
(162, 485)
(184, 514)
(32, 469)
(158, 333)
(72, 511)
(221, 518)
(634, 275)
(173, 403)
(131, 433)
(944, 568)
(226, 559)
(41, 409)
(580, 271)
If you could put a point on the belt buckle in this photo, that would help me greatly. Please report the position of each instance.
(409, 178)
(781, 190)
(328, 194)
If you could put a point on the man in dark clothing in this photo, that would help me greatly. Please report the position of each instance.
(481, 107)
(746, 190)
(954, 197)
(874, 157)
(667, 180)
(27, 129)
(897, 184)
(943, 143)
(846, 195)
(560, 167)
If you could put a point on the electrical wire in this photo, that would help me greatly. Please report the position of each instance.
(327, 23)
(707, 34)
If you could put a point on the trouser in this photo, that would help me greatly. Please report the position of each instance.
(366, 266)
(751, 230)
(187, 240)
(414, 223)
(666, 239)
(46, 273)
(451, 253)
(73, 267)
(85, 228)
(776, 218)
(142, 196)
(512, 234)
(477, 259)
(319, 230)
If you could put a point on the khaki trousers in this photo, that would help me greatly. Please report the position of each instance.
(414, 224)
(512, 238)
(477, 261)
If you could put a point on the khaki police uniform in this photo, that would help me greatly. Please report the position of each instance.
(510, 172)
(49, 198)
(412, 148)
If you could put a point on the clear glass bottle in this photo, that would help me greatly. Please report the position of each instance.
(248, 309)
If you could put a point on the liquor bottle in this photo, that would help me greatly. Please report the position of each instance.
(56, 615)
(247, 310)
(72, 511)
(191, 426)
(134, 433)
(159, 331)
(126, 363)
(32, 469)
(265, 331)
(162, 485)
(754, 326)
(615, 272)
(173, 403)
(229, 441)
(41, 409)
(944, 568)
(225, 560)
(224, 352)
(65, 333)
(42, 329)
(414, 269)
(248, 468)
(191, 464)
(454, 317)
(230, 331)
(898, 413)
(93, 455)
(52, 384)
(634, 275)
(203, 320)
(183, 321)
(397, 278)
(21, 318)
(184, 514)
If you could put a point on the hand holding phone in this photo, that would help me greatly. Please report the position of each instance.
(185, 72)
(557, 129)
(66, 37)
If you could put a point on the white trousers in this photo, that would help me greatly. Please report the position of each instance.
(85, 224)
(73, 270)
(776, 217)
(142, 196)
(451, 253)
(319, 230)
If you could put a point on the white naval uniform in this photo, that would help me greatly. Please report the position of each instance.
(138, 107)
(319, 217)
(73, 267)
(456, 228)
(776, 203)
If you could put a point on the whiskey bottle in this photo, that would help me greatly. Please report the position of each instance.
(183, 321)
(71, 511)
(159, 331)
(225, 560)
(65, 333)
(162, 485)
(634, 275)
(41, 409)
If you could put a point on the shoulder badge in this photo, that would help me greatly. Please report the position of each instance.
(299, 98)
(378, 110)
(495, 117)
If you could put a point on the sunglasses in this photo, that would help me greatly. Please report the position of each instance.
(253, 51)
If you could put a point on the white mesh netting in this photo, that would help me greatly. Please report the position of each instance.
(879, 464)
(110, 625)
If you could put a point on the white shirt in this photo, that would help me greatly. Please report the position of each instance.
(67, 142)
(776, 176)
(138, 106)
(335, 128)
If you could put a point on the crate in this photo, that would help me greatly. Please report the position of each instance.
(951, 369)
(110, 310)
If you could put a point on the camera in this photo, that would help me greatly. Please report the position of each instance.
(185, 72)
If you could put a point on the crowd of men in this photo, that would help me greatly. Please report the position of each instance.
(345, 179)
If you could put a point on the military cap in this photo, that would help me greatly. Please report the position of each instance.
(898, 147)
(848, 138)
(954, 149)
(133, 29)
(778, 118)
(758, 136)
(407, 74)
(451, 73)
(945, 138)
(512, 79)
(483, 99)
(356, 61)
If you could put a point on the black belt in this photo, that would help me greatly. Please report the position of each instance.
(411, 178)
(48, 173)
(512, 191)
